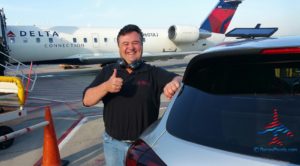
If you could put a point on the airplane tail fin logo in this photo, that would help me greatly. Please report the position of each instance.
(276, 128)
(11, 34)
(220, 17)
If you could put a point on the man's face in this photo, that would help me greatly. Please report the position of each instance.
(130, 47)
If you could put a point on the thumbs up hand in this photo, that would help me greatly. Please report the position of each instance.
(114, 83)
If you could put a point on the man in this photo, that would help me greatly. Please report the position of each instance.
(130, 90)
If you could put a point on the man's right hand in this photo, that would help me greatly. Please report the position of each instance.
(114, 84)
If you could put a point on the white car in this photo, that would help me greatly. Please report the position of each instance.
(239, 105)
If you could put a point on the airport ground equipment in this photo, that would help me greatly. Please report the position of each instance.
(12, 100)
(13, 67)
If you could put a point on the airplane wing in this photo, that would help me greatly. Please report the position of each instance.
(147, 56)
(168, 55)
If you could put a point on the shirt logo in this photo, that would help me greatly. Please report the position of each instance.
(143, 83)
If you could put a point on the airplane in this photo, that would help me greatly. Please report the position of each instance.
(88, 45)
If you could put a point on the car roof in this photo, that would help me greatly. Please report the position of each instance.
(244, 46)
(288, 41)
(248, 46)
(240, 49)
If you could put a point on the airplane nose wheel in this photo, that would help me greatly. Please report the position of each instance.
(6, 130)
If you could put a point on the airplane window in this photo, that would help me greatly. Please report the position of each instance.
(38, 40)
(50, 40)
(85, 40)
(12, 40)
(25, 40)
(95, 40)
(105, 39)
(74, 40)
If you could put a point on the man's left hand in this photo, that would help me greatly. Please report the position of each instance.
(171, 88)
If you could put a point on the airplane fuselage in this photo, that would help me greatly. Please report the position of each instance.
(31, 43)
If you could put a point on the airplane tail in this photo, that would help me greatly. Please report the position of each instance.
(220, 17)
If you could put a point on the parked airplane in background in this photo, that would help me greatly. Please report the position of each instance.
(78, 45)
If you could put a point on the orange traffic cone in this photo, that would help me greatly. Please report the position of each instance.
(51, 155)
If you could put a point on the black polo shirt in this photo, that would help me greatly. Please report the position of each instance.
(129, 112)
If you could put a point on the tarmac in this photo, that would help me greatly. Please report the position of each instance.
(79, 129)
(82, 147)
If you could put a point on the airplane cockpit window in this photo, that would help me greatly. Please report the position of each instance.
(85, 40)
(25, 40)
(95, 40)
(74, 40)
(38, 40)
(50, 40)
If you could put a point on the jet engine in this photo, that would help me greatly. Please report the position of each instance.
(186, 34)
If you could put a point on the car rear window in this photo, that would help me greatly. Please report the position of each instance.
(251, 108)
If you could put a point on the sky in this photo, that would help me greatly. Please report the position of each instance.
(284, 14)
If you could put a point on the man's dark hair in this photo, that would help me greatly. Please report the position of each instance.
(128, 29)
